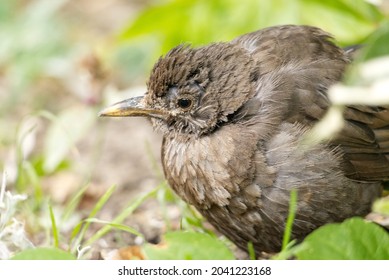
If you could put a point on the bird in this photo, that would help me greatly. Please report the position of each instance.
(234, 116)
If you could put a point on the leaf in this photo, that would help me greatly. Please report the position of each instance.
(188, 246)
(351, 20)
(204, 21)
(354, 239)
(43, 254)
(163, 25)
(377, 44)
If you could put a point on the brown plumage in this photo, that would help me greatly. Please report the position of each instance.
(233, 116)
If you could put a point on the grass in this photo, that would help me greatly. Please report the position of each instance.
(290, 220)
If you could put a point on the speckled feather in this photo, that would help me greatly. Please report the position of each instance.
(237, 152)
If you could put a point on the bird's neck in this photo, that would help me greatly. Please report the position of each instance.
(208, 170)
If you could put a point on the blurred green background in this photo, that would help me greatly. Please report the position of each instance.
(61, 61)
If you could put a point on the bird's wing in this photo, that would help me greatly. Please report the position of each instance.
(297, 65)
(365, 142)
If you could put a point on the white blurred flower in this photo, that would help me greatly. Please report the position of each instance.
(372, 88)
(12, 235)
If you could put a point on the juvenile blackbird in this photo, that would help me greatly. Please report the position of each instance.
(233, 116)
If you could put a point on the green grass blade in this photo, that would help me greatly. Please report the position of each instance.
(289, 221)
(73, 203)
(35, 181)
(54, 227)
(116, 226)
(123, 215)
(99, 205)
(76, 231)
(250, 249)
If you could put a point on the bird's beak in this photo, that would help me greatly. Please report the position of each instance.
(132, 107)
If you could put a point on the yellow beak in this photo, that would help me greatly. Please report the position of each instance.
(132, 107)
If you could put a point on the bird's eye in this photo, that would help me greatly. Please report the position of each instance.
(184, 103)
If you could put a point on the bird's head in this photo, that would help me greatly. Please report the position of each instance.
(193, 90)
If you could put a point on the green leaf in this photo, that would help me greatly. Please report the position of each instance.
(354, 239)
(188, 246)
(377, 44)
(204, 21)
(163, 25)
(351, 20)
(44, 254)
